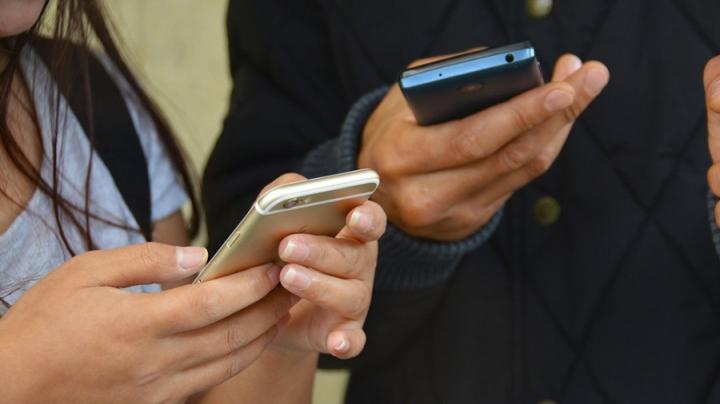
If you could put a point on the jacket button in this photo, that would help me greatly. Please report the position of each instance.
(539, 9)
(547, 210)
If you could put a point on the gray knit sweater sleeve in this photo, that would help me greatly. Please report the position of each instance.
(405, 262)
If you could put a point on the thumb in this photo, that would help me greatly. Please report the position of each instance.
(712, 99)
(135, 265)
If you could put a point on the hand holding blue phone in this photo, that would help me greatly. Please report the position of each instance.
(447, 180)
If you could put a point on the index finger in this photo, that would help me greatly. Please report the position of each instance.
(712, 99)
(195, 306)
(480, 135)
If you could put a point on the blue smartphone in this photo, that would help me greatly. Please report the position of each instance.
(456, 87)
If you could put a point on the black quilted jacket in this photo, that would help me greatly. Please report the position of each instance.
(618, 300)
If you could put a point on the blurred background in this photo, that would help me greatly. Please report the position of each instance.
(178, 47)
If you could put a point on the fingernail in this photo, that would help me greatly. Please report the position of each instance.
(274, 273)
(295, 251)
(361, 221)
(557, 100)
(595, 81)
(342, 346)
(190, 258)
(575, 64)
(296, 279)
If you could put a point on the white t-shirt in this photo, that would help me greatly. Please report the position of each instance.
(31, 247)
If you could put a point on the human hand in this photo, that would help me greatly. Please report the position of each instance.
(446, 181)
(334, 277)
(76, 337)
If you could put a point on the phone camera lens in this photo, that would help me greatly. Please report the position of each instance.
(291, 203)
(509, 58)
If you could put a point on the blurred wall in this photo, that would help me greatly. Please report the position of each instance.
(179, 49)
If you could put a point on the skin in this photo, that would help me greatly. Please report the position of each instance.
(18, 16)
(711, 81)
(77, 336)
(444, 182)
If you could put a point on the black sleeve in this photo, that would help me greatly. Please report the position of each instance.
(284, 103)
(285, 115)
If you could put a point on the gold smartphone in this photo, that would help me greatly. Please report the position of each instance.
(318, 206)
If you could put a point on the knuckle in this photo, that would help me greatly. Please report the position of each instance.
(468, 145)
(418, 210)
(208, 303)
(388, 163)
(150, 256)
(572, 113)
(353, 259)
(320, 254)
(235, 337)
(235, 366)
(519, 119)
(515, 155)
(356, 269)
(540, 165)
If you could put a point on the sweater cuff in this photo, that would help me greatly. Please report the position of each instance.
(404, 262)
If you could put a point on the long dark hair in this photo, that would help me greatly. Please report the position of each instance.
(68, 24)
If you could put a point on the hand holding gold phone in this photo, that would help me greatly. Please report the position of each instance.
(317, 206)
